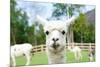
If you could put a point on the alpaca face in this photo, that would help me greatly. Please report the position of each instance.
(55, 33)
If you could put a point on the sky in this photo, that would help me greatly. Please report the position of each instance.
(45, 10)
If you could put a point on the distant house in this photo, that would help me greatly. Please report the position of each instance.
(91, 16)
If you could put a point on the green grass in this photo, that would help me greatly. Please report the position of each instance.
(71, 59)
(41, 58)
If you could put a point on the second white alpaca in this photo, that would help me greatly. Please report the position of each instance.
(77, 52)
(20, 50)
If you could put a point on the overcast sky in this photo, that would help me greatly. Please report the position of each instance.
(43, 9)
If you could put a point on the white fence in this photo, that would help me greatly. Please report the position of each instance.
(83, 46)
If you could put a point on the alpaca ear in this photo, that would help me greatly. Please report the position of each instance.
(71, 20)
(41, 20)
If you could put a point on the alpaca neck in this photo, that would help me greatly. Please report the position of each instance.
(56, 58)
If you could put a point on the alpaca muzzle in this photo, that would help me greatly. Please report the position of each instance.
(55, 46)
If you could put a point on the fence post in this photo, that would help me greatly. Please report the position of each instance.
(42, 48)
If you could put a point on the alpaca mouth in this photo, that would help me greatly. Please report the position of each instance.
(55, 46)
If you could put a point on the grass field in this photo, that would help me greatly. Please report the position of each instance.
(41, 58)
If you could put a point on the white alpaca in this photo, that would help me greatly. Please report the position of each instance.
(91, 53)
(77, 52)
(19, 50)
(55, 39)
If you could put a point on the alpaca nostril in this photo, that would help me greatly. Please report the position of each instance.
(55, 39)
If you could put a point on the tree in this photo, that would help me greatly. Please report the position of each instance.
(30, 34)
(83, 30)
(12, 32)
(39, 34)
(18, 23)
(66, 9)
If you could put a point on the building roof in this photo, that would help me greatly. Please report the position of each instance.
(91, 16)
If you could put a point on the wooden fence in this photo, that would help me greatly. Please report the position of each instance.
(83, 46)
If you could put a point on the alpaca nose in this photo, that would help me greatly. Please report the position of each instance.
(55, 45)
(55, 39)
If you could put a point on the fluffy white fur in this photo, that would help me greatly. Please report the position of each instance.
(55, 39)
(19, 50)
(91, 54)
(77, 52)
(91, 57)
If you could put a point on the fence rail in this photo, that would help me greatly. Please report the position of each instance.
(83, 46)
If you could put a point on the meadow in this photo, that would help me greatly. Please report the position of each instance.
(40, 58)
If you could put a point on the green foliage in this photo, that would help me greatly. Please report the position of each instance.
(66, 9)
(60, 9)
(20, 31)
(41, 36)
(83, 30)
(30, 34)
(18, 23)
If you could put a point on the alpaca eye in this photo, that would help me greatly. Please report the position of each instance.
(47, 32)
(63, 32)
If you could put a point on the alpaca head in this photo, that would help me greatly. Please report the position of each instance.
(55, 33)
